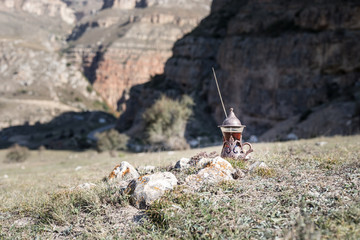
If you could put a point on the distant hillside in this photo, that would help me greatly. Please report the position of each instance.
(37, 82)
(127, 42)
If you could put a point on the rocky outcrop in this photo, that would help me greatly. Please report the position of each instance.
(146, 189)
(84, 8)
(276, 61)
(118, 49)
(51, 8)
(37, 83)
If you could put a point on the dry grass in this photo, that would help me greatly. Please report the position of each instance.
(309, 192)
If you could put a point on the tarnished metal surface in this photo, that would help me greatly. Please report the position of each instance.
(231, 120)
(232, 138)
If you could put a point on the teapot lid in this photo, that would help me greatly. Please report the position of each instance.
(231, 120)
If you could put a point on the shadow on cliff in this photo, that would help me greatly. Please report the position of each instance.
(285, 72)
(68, 131)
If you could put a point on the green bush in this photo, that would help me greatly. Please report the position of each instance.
(111, 140)
(17, 153)
(165, 122)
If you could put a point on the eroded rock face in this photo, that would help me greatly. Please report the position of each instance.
(146, 189)
(52, 8)
(274, 61)
(119, 49)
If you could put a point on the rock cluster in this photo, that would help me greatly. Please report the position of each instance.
(144, 190)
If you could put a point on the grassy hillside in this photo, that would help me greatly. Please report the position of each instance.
(311, 191)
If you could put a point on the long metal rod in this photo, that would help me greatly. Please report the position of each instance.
(217, 85)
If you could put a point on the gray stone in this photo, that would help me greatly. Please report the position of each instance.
(238, 174)
(253, 139)
(146, 189)
(124, 171)
(183, 163)
(291, 137)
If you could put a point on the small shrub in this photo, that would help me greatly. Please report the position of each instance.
(102, 105)
(165, 122)
(89, 89)
(237, 163)
(111, 140)
(17, 153)
(265, 172)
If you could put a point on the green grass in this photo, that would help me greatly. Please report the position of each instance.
(308, 192)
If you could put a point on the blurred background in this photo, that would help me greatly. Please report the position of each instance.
(136, 74)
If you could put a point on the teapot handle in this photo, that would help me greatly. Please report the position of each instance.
(248, 151)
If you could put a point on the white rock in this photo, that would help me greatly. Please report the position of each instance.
(257, 165)
(22, 222)
(78, 168)
(146, 189)
(183, 163)
(203, 162)
(6, 176)
(320, 144)
(216, 170)
(124, 171)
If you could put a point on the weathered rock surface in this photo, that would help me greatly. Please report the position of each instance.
(37, 83)
(146, 189)
(275, 61)
(183, 163)
(52, 8)
(128, 42)
(217, 170)
(123, 171)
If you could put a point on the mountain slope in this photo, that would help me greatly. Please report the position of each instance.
(289, 66)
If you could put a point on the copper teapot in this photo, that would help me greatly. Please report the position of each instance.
(233, 147)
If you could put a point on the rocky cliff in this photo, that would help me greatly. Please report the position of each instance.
(37, 83)
(51, 8)
(127, 42)
(284, 66)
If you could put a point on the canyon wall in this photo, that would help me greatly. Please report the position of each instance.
(51, 8)
(38, 83)
(128, 42)
(284, 66)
